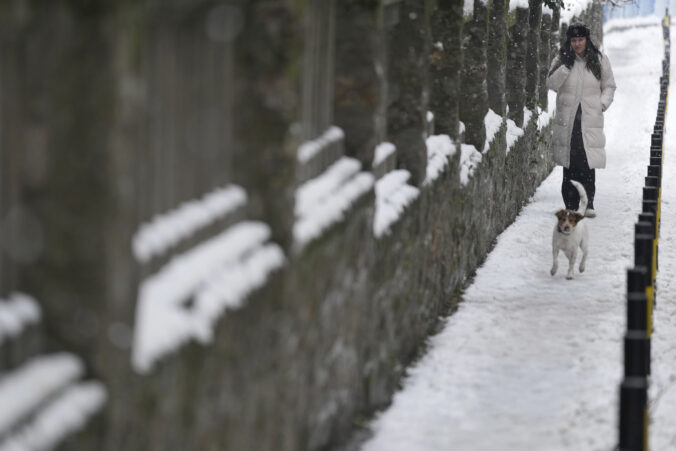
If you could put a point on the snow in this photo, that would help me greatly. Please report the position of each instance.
(24, 389)
(324, 200)
(621, 23)
(218, 273)
(19, 311)
(382, 151)
(513, 4)
(439, 149)
(167, 230)
(513, 134)
(393, 194)
(545, 117)
(493, 122)
(527, 115)
(468, 7)
(309, 149)
(573, 8)
(61, 417)
(469, 160)
(533, 362)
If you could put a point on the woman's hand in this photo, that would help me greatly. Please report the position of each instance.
(567, 56)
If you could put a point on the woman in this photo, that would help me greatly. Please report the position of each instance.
(583, 80)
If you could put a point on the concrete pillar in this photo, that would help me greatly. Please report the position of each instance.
(474, 97)
(407, 76)
(544, 60)
(445, 62)
(516, 70)
(267, 105)
(497, 49)
(532, 55)
(360, 76)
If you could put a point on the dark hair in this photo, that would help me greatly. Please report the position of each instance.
(592, 56)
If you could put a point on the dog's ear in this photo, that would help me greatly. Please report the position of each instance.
(560, 214)
(578, 217)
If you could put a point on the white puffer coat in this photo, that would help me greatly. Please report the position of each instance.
(578, 86)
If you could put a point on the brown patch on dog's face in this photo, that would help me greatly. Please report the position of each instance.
(568, 219)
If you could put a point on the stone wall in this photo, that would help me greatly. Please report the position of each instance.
(115, 114)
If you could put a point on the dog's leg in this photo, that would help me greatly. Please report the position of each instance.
(571, 264)
(585, 251)
(555, 263)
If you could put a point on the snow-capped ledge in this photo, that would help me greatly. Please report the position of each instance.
(167, 230)
(310, 149)
(469, 160)
(16, 313)
(439, 149)
(493, 122)
(513, 134)
(393, 195)
(382, 152)
(324, 200)
(63, 416)
(545, 117)
(216, 275)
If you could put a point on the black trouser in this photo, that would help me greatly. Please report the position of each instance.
(578, 169)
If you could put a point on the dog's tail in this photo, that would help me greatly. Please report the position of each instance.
(583, 196)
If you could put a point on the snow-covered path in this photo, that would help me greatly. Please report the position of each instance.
(533, 362)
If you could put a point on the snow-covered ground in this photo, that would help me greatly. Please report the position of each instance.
(533, 362)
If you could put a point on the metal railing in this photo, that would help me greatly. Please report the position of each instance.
(641, 283)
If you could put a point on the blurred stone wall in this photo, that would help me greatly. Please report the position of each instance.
(114, 112)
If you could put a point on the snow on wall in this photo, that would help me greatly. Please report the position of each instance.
(493, 122)
(24, 389)
(439, 149)
(513, 134)
(324, 200)
(68, 413)
(217, 274)
(545, 117)
(469, 160)
(16, 313)
(573, 8)
(393, 195)
(167, 230)
(513, 4)
(468, 6)
(309, 149)
(382, 151)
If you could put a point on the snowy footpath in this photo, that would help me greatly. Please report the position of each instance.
(533, 362)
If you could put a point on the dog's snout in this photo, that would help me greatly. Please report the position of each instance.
(566, 228)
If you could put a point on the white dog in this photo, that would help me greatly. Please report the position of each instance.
(570, 233)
